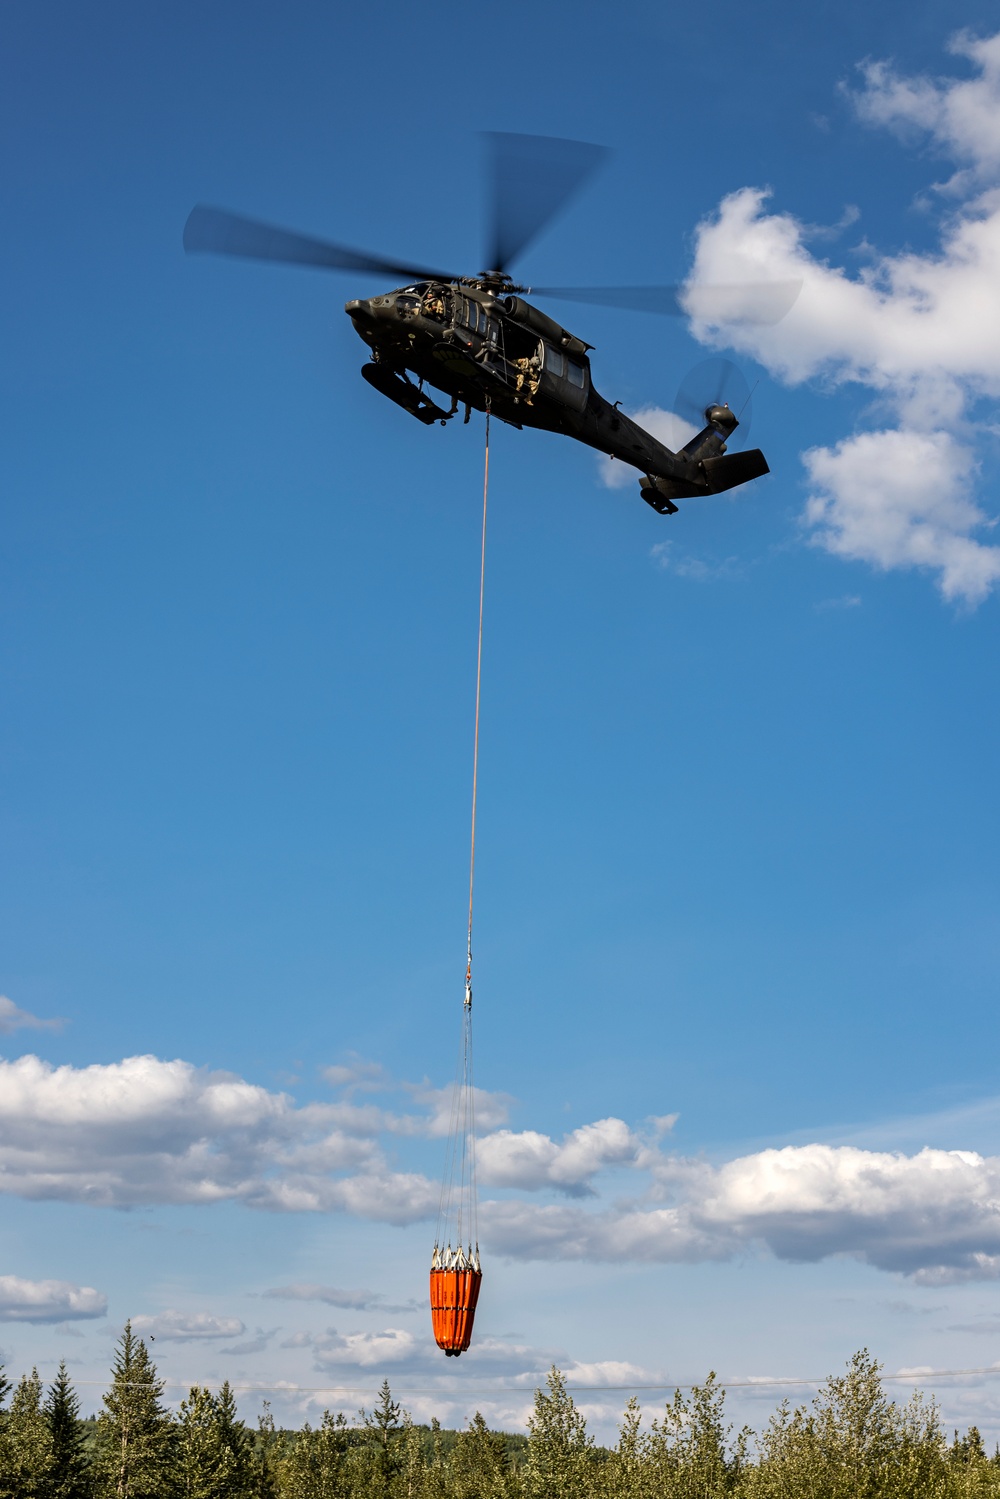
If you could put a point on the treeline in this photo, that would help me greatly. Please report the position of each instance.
(852, 1442)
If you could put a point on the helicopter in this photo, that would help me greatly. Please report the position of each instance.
(477, 341)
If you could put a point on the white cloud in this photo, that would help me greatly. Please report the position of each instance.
(368, 1350)
(331, 1295)
(666, 426)
(934, 1216)
(358, 1075)
(531, 1161)
(492, 1109)
(255, 1344)
(144, 1130)
(901, 499)
(962, 116)
(917, 330)
(48, 1300)
(14, 1019)
(187, 1327)
(668, 559)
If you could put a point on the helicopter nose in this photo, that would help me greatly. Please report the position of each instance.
(359, 310)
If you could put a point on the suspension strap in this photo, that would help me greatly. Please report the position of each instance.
(479, 679)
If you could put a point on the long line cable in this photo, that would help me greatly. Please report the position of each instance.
(479, 683)
(460, 1167)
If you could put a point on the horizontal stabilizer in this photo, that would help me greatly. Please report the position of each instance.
(734, 468)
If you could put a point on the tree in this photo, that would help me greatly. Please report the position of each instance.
(627, 1472)
(480, 1466)
(213, 1457)
(689, 1447)
(314, 1467)
(235, 1447)
(560, 1454)
(268, 1455)
(70, 1475)
(134, 1436)
(25, 1443)
(382, 1457)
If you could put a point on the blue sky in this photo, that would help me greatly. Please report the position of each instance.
(738, 816)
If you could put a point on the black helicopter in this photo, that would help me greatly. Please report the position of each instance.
(478, 341)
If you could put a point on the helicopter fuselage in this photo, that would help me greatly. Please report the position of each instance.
(486, 347)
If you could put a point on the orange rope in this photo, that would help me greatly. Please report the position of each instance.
(479, 678)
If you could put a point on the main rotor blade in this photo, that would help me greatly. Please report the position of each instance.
(218, 232)
(760, 302)
(534, 176)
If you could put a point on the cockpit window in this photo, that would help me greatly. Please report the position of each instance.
(474, 316)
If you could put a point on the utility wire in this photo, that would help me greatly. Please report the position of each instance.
(920, 1376)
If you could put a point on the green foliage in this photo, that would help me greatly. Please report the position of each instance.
(69, 1476)
(135, 1456)
(213, 1449)
(851, 1442)
(560, 1453)
(481, 1466)
(25, 1444)
(316, 1461)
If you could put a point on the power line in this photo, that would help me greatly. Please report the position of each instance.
(753, 1383)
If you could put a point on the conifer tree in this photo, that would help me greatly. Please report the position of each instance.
(134, 1436)
(383, 1427)
(268, 1454)
(213, 1447)
(236, 1447)
(438, 1473)
(315, 1467)
(560, 1454)
(25, 1443)
(69, 1478)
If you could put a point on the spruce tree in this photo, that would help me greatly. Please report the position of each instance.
(25, 1444)
(197, 1449)
(268, 1455)
(315, 1467)
(70, 1469)
(133, 1459)
(378, 1460)
(235, 1447)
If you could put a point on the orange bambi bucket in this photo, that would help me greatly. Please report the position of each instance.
(454, 1294)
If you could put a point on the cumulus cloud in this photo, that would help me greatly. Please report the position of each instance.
(918, 331)
(962, 116)
(48, 1300)
(187, 1327)
(934, 1215)
(145, 1131)
(531, 1161)
(14, 1019)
